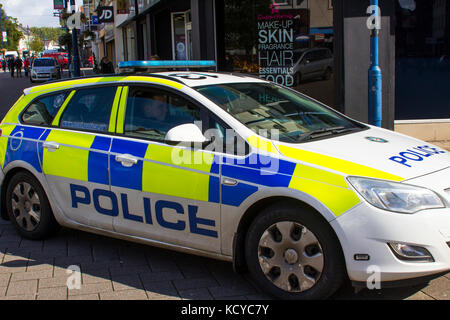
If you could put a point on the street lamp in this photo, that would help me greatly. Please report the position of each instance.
(76, 57)
(375, 75)
(1, 27)
(28, 39)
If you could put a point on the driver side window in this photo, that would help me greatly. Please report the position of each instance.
(151, 113)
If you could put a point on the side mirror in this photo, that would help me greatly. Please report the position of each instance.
(185, 133)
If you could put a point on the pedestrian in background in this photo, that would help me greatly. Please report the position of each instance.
(26, 65)
(18, 65)
(106, 66)
(11, 63)
(4, 64)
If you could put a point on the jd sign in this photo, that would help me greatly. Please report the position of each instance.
(105, 14)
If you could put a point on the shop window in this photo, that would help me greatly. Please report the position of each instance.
(422, 59)
(271, 39)
(182, 35)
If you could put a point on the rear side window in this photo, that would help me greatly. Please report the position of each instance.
(42, 111)
(89, 109)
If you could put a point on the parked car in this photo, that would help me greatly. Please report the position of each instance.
(45, 69)
(11, 54)
(61, 57)
(313, 63)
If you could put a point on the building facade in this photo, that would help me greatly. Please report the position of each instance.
(318, 47)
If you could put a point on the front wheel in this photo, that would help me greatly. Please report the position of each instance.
(292, 254)
(28, 208)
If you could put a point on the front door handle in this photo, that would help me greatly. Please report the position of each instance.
(51, 146)
(229, 182)
(126, 160)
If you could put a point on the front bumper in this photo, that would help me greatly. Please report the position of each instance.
(368, 230)
(44, 77)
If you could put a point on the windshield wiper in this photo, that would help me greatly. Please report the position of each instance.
(324, 132)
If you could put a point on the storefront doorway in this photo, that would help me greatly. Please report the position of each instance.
(182, 35)
(109, 52)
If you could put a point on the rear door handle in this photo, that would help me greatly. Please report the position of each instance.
(126, 160)
(51, 146)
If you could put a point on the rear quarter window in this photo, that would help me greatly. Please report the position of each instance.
(43, 110)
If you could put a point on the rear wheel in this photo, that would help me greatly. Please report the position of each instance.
(28, 207)
(292, 254)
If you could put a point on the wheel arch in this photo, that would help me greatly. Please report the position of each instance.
(239, 263)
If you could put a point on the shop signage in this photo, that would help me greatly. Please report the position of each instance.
(95, 20)
(280, 36)
(59, 4)
(5, 36)
(276, 48)
(105, 14)
(123, 6)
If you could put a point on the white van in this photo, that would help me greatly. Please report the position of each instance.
(11, 54)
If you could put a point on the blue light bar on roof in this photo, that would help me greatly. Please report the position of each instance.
(170, 64)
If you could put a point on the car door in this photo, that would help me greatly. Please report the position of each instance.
(168, 194)
(308, 65)
(322, 61)
(75, 156)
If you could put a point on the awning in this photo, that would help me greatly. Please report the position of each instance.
(144, 6)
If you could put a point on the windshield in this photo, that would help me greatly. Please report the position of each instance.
(268, 109)
(43, 63)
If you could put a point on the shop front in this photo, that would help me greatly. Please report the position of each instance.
(317, 47)
(291, 42)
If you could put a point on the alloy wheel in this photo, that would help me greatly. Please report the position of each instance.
(290, 256)
(26, 206)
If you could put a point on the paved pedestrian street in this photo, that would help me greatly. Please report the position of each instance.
(114, 269)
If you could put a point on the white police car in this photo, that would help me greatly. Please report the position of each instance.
(228, 167)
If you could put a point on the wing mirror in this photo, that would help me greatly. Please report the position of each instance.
(185, 134)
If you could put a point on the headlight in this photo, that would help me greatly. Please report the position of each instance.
(397, 197)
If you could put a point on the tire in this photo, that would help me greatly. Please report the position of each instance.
(310, 248)
(28, 208)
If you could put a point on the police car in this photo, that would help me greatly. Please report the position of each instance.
(229, 167)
